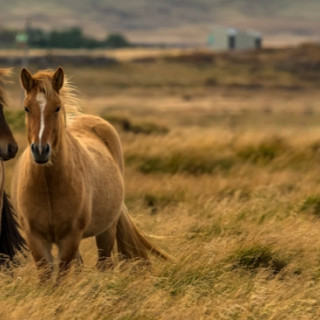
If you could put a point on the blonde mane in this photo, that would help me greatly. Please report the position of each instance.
(68, 93)
(3, 74)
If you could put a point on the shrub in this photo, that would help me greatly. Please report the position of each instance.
(257, 256)
(265, 152)
(116, 40)
(312, 205)
(163, 199)
(142, 127)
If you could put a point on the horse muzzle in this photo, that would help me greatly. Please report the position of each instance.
(8, 152)
(40, 153)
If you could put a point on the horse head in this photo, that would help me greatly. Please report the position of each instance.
(45, 115)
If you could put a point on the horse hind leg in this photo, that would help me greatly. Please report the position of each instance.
(105, 243)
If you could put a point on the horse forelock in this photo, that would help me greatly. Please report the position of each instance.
(68, 93)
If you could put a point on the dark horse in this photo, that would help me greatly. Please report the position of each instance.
(10, 239)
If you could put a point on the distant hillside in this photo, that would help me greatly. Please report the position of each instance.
(179, 21)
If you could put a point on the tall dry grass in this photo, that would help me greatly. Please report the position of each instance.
(232, 184)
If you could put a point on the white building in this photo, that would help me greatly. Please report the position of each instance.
(222, 38)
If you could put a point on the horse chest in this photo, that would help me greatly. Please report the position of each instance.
(54, 209)
(54, 223)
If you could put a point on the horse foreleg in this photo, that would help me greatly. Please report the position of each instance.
(41, 252)
(105, 242)
(68, 253)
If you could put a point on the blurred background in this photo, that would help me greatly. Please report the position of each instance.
(167, 22)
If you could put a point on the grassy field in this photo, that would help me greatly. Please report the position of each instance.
(222, 159)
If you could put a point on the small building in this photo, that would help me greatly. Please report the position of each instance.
(222, 38)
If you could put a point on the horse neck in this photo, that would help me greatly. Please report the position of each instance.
(62, 150)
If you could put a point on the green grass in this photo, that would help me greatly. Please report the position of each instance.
(15, 119)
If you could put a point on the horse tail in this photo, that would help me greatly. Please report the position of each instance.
(11, 240)
(131, 242)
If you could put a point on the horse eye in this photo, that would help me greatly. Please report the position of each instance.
(26, 109)
(58, 109)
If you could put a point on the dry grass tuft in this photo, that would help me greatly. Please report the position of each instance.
(257, 256)
(141, 127)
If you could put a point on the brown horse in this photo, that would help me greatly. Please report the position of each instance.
(10, 238)
(68, 184)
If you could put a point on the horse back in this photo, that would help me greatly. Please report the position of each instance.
(92, 127)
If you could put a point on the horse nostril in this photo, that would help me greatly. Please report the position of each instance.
(12, 149)
(33, 147)
(46, 149)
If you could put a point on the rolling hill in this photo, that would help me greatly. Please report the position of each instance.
(169, 21)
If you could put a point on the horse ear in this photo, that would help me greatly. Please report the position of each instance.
(57, 79)
(26, 79)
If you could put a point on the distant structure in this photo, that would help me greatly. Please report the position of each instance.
(222, 38)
